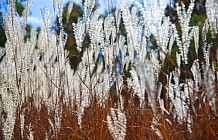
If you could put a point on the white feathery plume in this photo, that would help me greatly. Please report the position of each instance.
(116, 121)
(212, 14)
(69, 9)
(184, 19)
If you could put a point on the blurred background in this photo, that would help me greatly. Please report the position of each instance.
(35, 19)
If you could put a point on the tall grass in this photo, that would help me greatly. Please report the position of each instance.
(134, 92)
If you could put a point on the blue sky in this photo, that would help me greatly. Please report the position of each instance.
(35, 18)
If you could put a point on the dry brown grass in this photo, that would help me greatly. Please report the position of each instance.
(139, 121)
